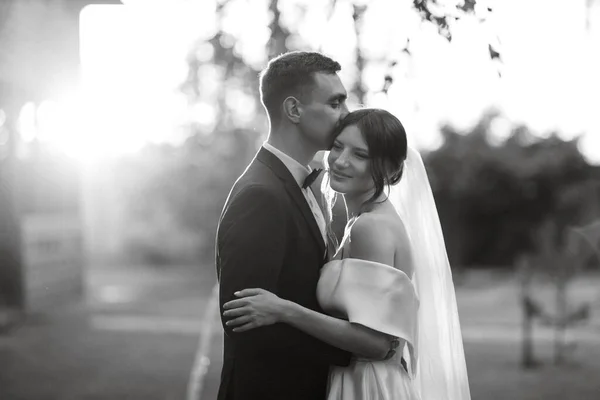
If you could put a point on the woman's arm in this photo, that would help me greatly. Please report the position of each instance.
(258, 307)
(357, 339)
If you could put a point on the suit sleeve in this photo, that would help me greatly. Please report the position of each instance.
(251, 245)
(250, 251)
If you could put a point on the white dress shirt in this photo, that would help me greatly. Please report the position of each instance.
(300, 172)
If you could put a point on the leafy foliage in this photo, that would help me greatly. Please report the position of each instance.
(174, 195)
(492, 198)
(497, 197)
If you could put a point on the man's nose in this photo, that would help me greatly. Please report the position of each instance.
(344, 110)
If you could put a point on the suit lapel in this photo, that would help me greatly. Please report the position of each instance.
(275, 164)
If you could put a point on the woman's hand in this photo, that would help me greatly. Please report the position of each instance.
(254, 308)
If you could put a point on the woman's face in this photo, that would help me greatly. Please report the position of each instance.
(349, 163)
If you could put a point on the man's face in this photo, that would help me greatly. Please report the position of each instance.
(325, 106)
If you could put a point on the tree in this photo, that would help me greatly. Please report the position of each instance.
(443, 16)
(191, 184)
(493, 198)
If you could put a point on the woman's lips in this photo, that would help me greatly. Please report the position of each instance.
(338, 174)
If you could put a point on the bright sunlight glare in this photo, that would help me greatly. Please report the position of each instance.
(130, 73)
(129, 93)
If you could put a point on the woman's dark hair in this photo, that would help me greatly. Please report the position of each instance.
(386, 140)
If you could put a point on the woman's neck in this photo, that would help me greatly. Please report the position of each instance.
(355, 202)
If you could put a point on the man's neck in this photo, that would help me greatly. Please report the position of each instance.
(293, 146)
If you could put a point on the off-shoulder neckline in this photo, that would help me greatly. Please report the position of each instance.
(386, 266)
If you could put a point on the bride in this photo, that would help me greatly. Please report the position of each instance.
(388, 289)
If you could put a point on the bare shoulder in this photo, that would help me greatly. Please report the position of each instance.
(371, 239)
(381, 237)
(380, 225)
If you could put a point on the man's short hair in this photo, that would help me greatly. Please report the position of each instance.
(291, 74)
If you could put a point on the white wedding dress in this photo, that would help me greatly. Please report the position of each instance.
(420, 311)
(382, 298)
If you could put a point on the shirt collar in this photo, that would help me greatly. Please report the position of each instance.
(298, 171)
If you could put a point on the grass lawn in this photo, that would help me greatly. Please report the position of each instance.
(490, 317)
(64, 355)
(495, 374)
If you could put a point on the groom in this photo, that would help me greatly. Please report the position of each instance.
(271, 234)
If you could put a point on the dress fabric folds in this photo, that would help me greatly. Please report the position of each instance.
(382, 298)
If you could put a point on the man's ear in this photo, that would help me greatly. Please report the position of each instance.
(292, 109)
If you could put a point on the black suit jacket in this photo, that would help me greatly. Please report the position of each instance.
(268, 238)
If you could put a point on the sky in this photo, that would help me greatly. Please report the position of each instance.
(130, 72)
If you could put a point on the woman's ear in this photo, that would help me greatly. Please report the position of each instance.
(292, 109)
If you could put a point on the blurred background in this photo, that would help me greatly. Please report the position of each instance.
(123, 125)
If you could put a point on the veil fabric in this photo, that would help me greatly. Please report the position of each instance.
(441, 371)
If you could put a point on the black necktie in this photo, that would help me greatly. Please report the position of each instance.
(311, 177)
